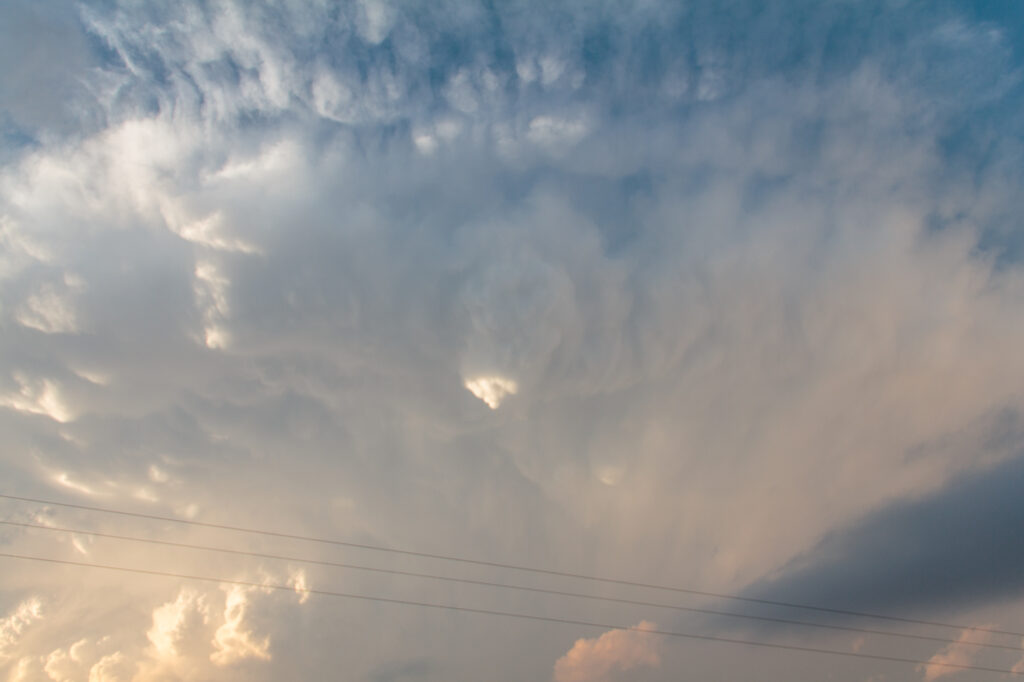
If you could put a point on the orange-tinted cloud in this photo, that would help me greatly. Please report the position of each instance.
(959, 653)
(594, 660)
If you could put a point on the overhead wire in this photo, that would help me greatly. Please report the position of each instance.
(514, 567)
(524, 616)
(508, 586)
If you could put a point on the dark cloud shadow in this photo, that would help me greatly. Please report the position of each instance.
(961, 547)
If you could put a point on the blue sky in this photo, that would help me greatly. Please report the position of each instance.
(717, 295)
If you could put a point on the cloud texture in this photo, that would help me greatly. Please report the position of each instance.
(661, 291)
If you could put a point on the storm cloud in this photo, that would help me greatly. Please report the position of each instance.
(953, 549)
(718, 295)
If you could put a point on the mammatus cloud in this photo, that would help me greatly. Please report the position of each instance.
(37, 396)
(747, 269)
(599, 659)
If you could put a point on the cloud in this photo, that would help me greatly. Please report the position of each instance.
(39, 396)
(14, 624)
(952, 547)
(179, 626)
(194, 635)
(49, 312)
(88, 659)
(749, 273)
(198, 629)
(960, 653)
(491, 389)
(111, 668)
(234, 641)
(598, 659)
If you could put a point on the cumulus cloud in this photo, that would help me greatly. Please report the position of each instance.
(960, 653)
(87, 660)
(176, 624)
(598, 659)
(111, 668)
(194, 635)
(14, 624)
(234, 641)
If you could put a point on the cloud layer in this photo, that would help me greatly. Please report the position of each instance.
(721, 296)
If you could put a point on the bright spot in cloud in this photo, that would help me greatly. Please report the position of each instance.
(492, 389)
(210, 232)
(38, 397)
(65, 480)
(425, 143)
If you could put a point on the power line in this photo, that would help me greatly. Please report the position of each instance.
(514, 567)
(524, 588)
(509, 614)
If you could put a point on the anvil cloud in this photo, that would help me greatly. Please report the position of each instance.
(720, 295)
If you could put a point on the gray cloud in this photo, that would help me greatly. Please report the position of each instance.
(956, 548)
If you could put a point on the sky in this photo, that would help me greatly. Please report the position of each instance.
(727, 297)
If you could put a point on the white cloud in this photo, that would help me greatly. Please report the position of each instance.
(211, 291)
(14, 625)
(552, 132)
(111, 668)
(178, 625)
(491, 389)
(462, 93)
(38, 396)
(234, 640)
(297, 578)
(64, 479)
